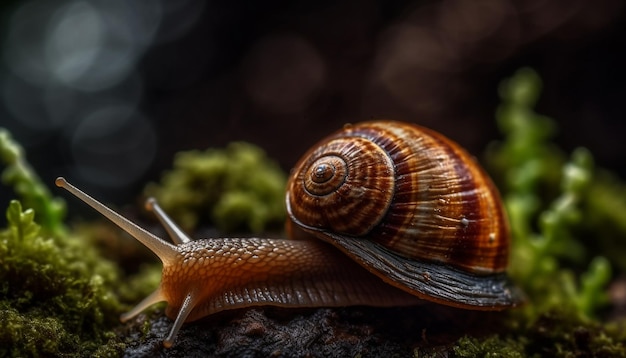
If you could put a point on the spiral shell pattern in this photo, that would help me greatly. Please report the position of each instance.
(404, 187)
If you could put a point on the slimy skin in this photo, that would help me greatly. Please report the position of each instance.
(206, 276)
(232, 273)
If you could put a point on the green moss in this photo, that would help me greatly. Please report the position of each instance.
(236, 189)
(55, 293)
(604, 226)
(25, 182)
(552, 335)
(492, 346)
(553, 204)
(544, 194)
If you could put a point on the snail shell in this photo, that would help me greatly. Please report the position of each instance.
(412, 207)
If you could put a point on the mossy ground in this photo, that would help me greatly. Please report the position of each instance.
(60, 297)
(55, 297)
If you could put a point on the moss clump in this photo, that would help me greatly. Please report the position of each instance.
(55, 291)
(55, 296)
(551, 336)
(236, 189)
(492, 346)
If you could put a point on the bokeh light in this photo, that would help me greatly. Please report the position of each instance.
(133, 150)
(72, 69)
(107, 91)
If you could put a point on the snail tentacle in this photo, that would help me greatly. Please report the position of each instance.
(175, 232)
(185, 309)
(155, 297)
(163, 249)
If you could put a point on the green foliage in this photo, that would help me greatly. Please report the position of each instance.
(33, 193)
(492, 346)
(605, 218)
(550, 336)
(237, 189)
(55, 293)
(544, 195)
(553, 204)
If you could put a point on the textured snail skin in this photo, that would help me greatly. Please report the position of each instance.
(412, 207)
(203, 277)
(229, 273)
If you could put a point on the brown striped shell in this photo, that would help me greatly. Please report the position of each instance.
(411, 206)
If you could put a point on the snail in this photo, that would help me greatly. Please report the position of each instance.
(381, 213)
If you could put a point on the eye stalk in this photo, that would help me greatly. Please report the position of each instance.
(164, 250)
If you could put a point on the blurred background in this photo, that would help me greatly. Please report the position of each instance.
(105, 92)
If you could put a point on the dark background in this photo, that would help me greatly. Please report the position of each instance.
(105, 92)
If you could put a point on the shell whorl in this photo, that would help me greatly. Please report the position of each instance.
(406, 188)
(344, 186)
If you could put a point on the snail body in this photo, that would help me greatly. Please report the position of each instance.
(203, 277)
(381, 219)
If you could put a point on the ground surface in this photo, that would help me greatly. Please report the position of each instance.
(353, 331)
